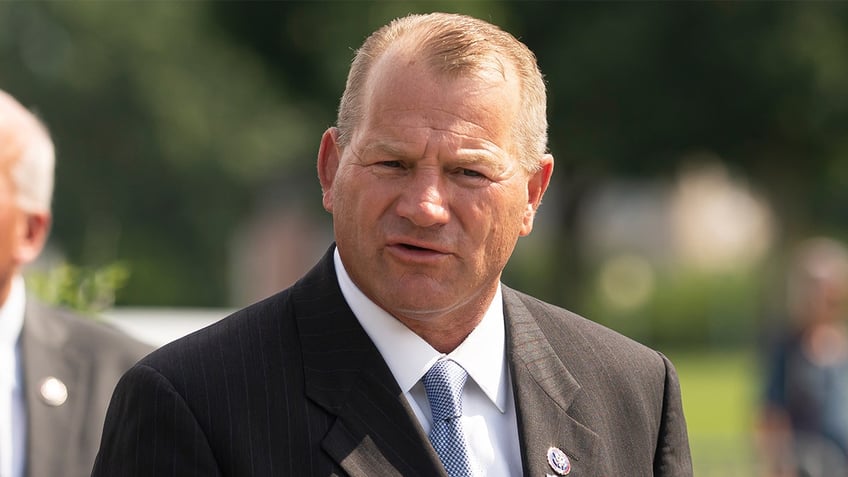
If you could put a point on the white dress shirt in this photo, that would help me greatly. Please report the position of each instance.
(12, 410)
(488, 404)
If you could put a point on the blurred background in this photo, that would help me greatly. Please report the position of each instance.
(696, 143)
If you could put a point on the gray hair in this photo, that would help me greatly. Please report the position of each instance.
(26, 154)
(455, 45)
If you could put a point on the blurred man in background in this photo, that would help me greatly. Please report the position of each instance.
(57, 370)
(805, 420)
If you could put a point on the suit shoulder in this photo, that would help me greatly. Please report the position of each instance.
(606, 363)
(246, 328)
(568, 330)
(86, 333)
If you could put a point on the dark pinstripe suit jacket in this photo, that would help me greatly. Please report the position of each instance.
(88, 358)
(292, 386)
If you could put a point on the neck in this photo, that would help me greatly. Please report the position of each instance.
(444, 336)
(5, 289)
(446, 331)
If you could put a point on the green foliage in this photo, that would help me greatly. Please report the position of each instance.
(88, 290)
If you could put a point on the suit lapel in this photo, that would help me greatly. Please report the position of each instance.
(51, 420)
(544, 392)
(375, 432)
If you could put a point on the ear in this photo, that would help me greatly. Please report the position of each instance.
(329, 155)
(33, 229)
(537, 184)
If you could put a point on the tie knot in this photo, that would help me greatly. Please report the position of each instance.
(443, 383)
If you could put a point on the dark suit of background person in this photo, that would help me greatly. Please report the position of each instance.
(295, 386)
(68, 365)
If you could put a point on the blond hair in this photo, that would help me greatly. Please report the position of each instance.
(26, 155)
(455, 45)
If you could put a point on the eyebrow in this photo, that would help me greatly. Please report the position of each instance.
(391, 148)
(465, 157)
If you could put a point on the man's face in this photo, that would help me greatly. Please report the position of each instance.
(10, 229)
(429, 198)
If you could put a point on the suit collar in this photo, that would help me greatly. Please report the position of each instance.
(544, 392)
(375, 432)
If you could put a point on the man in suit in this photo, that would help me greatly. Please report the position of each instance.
(400, 352)
(57, 371)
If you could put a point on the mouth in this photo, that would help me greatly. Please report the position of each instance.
(417, 248)
(414, 247)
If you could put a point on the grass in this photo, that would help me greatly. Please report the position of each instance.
(720, 399)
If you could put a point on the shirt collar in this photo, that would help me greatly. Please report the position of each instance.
(12, 313)
(409, 356)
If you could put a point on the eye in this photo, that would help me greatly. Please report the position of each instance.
(472, 177)
(391, 164)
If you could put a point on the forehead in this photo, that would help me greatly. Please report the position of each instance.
(404, 92)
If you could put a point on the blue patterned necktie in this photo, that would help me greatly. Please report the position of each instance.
(443, 383)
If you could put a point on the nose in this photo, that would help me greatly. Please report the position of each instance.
(424, 200)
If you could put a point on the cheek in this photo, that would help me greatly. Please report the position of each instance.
(505, 209)
(342, 195)
(9, 234)
(356, 205)
(370, 197)
(507, 216)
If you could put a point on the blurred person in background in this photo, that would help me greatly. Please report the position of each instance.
(400, 352)
(57, 370)
(804, 426)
